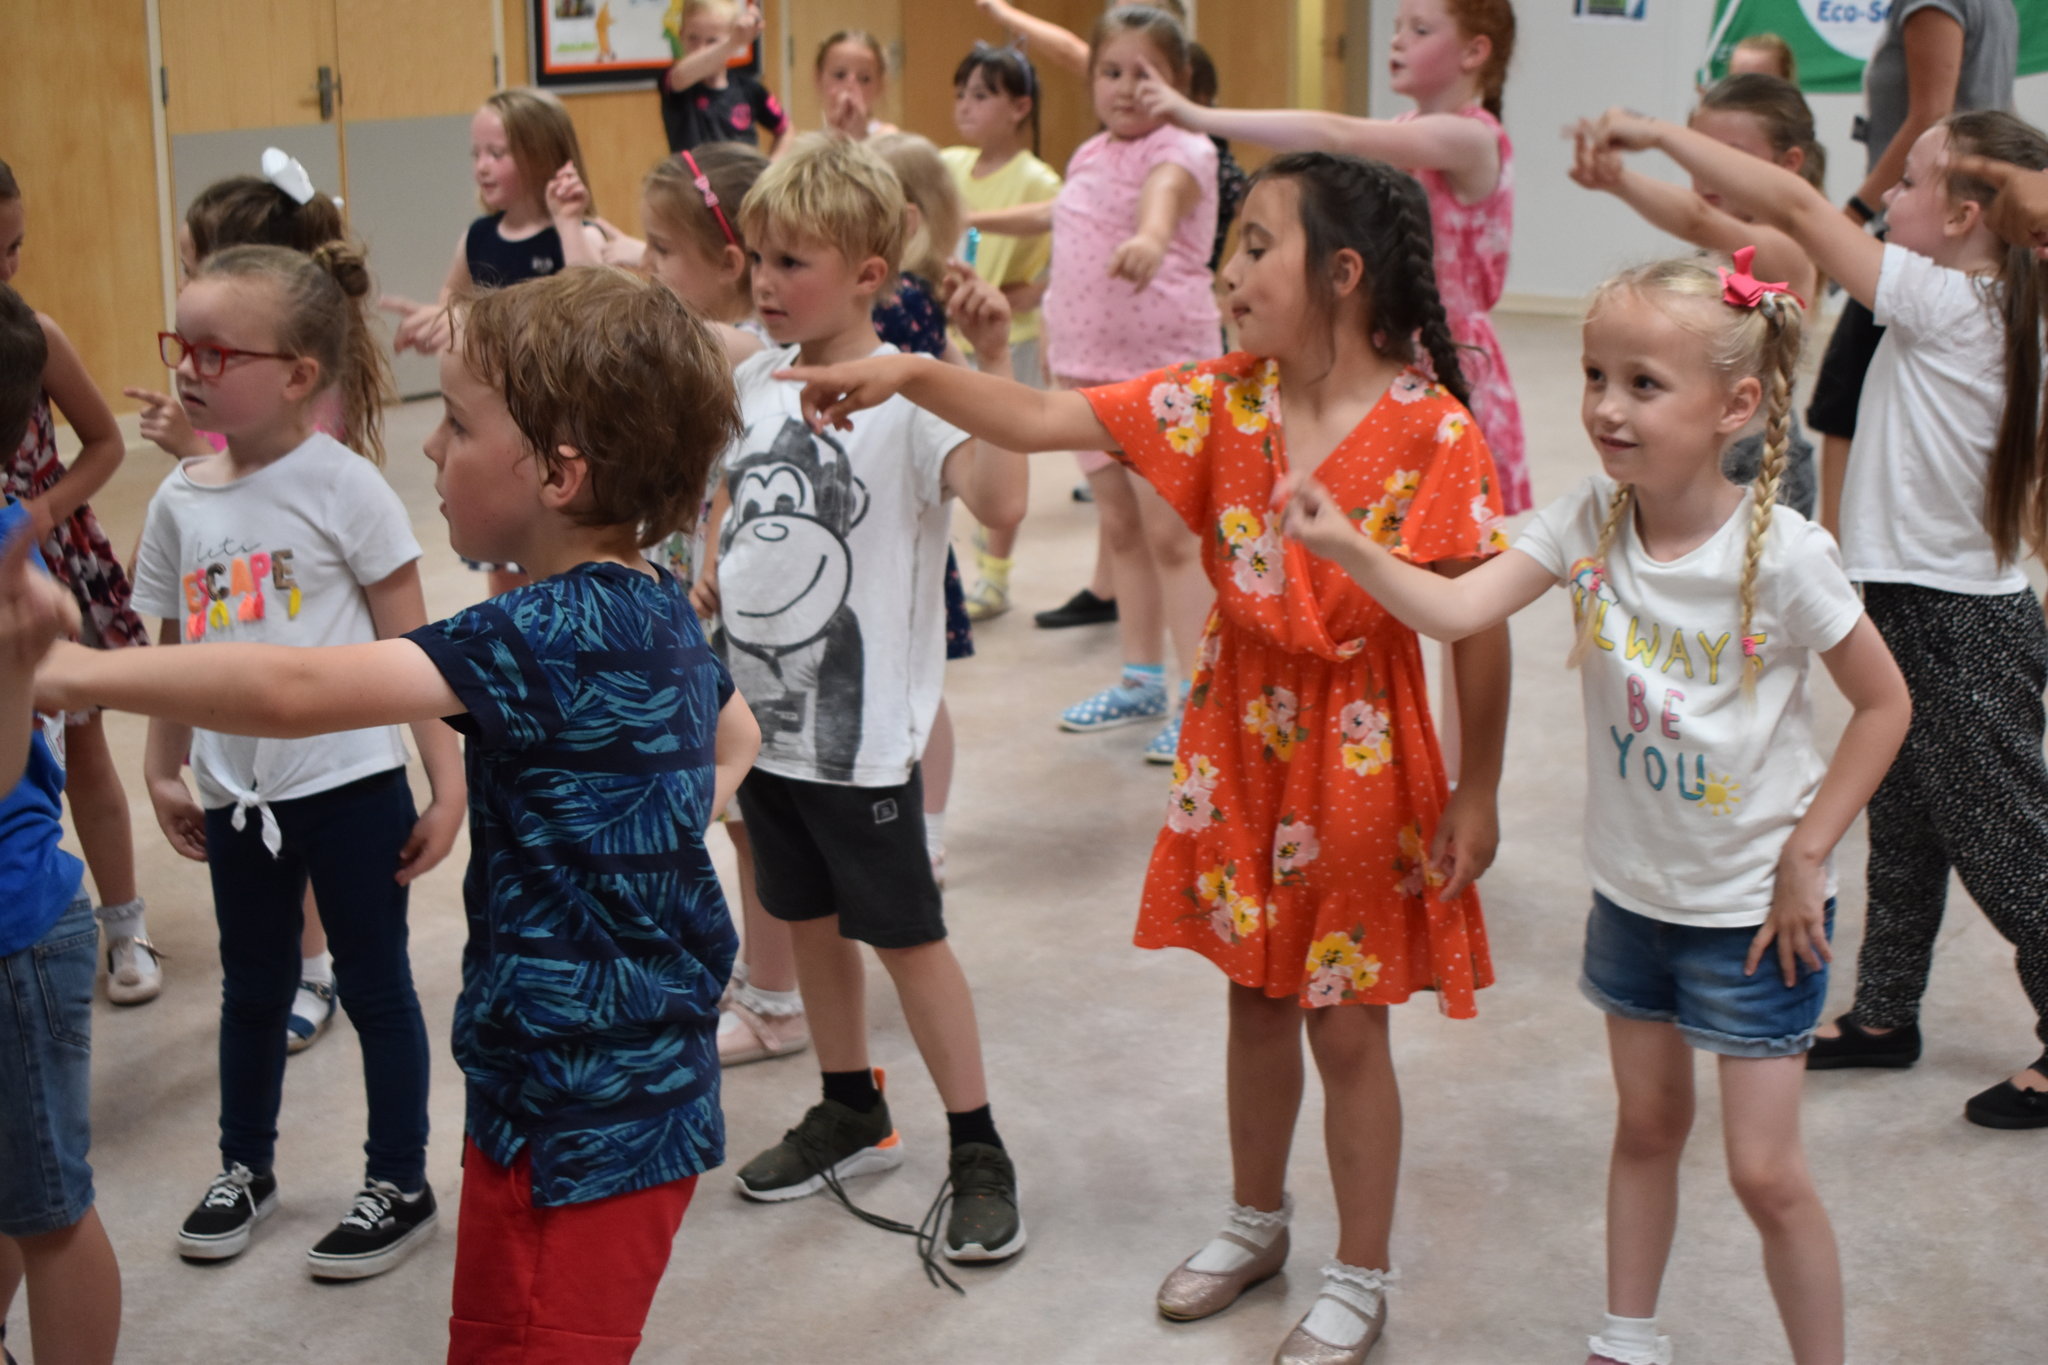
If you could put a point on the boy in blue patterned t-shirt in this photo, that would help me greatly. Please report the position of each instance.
(583, 412)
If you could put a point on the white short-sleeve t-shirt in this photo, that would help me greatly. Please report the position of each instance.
(831, 580)
(1913, 501)
(279, 557)
(1693, 788)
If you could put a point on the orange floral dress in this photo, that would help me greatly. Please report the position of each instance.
(1309, 784)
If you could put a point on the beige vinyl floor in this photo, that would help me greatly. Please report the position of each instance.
(1106, 1067)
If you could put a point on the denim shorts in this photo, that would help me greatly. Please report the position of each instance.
(46, 1075)
(1691, 976)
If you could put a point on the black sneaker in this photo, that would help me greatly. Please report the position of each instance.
(1895, 1050)
(2005, 1105)
(984, 1224)
(236, 1201)
(1084, 608)
(382, 1229)
(832, 1142)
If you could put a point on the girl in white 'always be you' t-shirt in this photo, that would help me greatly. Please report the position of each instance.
(288, 537)
(1711, 817)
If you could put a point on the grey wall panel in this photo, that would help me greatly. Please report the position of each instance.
(199, 159)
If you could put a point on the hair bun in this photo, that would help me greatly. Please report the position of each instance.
(346, 263)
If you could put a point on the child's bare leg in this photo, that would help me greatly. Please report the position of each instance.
(312, 934)
(939, 1008)
(833, 980)
(74, 1293)
(1103, 581)
(1361, 1126)
(937, 763)
(769, 954)
(1263, 1079)
(1767, 1166)
(10, 1274)
(1186, 595)
(99, 810)
(1140, 622)
(1654, 1105)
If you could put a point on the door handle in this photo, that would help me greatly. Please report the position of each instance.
(330, 90)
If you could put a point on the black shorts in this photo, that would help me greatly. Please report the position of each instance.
(1838, 388)
(854, 852)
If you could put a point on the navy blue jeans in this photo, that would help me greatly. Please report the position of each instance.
(347, 842)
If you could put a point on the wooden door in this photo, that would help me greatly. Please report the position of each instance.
(411, 78)
(810, 23)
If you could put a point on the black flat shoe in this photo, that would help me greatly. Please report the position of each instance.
(2005, 1105)
(1857, 1046)
(1084, 608)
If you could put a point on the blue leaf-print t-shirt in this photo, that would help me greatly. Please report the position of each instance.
(599, 941)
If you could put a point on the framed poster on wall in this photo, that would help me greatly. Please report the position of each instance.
(599, 44)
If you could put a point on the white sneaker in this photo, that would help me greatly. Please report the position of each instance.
(135, 974)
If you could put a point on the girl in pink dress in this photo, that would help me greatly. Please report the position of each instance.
(1451, 58)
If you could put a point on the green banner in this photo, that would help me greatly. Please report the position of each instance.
(1833, 38)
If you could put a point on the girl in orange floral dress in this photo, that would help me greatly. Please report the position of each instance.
(1311, 849)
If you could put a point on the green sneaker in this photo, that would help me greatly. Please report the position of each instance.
(984, 1224)
(832, 1143)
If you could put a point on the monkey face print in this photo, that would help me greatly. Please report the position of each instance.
(831, 568)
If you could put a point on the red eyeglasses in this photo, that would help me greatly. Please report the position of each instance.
(209, 360)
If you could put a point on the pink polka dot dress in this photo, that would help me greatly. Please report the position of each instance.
(1309, 783)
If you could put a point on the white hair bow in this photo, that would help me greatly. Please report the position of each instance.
(284, 171)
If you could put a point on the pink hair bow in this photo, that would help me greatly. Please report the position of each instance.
(1743, 289)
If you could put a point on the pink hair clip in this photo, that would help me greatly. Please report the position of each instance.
(703, 184)
(1742, 289)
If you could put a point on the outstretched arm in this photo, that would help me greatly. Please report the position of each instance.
(2019, 213)
(397, 606)
(1753, 188)
(1864, 669)
(1049, 42)
(994, 482)
(1685, 215)
(269, 691)
(1000, 411)
(1019, 220)
(1440, 607)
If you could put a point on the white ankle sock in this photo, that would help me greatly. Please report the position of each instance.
(121, 921)
(1221, 1257)
(318, 968)
(1631, 1341)
(1331, 1320)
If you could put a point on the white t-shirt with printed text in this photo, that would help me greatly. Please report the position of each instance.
(1913, 500)
(831, 580)
(281, 557)
(1692, 788)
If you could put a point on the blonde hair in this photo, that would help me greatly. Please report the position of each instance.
(834, 191)
(724, 9)
(1759, 343)
(541, 136)
(323, 314)
(676, 204)
(861, 38)
(1777, 49)
(930, 188)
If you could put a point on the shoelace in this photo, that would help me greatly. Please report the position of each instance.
(226, 1191)
(814, 1149)
(372, 1207)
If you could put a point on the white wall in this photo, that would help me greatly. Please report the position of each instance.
(1568, 239)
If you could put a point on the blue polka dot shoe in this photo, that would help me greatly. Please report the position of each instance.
(1166, 744)
(1120, 704)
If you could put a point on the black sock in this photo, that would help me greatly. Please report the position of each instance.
(854, 1089)
(976, 1125)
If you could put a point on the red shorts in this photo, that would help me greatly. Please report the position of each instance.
(567, 1285)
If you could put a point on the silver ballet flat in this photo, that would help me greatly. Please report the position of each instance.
(1187, 1295)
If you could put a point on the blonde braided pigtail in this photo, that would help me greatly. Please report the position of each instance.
(1619, 505)
(1783, 322)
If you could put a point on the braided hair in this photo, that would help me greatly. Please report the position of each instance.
(1742, 343)
(1350, 203)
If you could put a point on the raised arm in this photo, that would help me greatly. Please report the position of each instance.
(1933, 43)
(1436, 605)
(1019, 220)
(269, 691)
(102, 447)
(706, 62)
(1677, 210)
(992, 480)
(1050, 44)
(1753, 188)
(1000, 411)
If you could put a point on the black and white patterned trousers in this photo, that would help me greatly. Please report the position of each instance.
(1969, 791)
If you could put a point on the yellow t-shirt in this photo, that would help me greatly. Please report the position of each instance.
(1024, 179)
